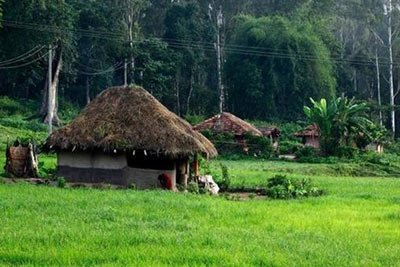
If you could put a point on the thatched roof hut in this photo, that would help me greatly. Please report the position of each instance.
(310, 136)
(125, 127)
(227, 123)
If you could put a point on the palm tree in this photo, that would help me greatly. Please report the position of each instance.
(340, 121)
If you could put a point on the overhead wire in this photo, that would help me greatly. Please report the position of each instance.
(23, 56)
(25, 64)
(206, 46)
(110, 70)
(112, 35)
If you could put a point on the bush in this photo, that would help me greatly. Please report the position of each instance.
(193, 187)
(393, 147)
(252, 146)
(306, 152)
(225, 182)
(194, 119)
(68, 111)
(61, 183)
(289, 147)
(281, 187)
(10, 106)
(289, 129)
(259, 146)
(345, 152)
(19, 123)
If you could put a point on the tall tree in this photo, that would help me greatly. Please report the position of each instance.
(132, 12)
(273, 67)
(190, 35)
(29, 24)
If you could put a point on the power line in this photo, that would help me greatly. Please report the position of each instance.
(25, 64)
(110, 70)
(22, 57)
(231, 48)
(181, 44)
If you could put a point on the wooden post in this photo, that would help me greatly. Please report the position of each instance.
(196, 166)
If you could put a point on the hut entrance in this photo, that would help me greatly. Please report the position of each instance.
(21, 161)
(142, 161)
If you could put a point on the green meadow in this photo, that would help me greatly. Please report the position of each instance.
(355, 224)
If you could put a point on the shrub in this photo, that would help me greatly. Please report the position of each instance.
(346, 152)
(193, 187)
(306, 152)
(194, 119)
(10, 106)
(61, 183)
(68, 111)
(225, 182)
(289, 147)
(259, 146)
(252, 146)
(281, 187)
(289, 129)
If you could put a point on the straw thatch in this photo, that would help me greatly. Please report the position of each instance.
(310, 131)
(228, 123)
(129, 119)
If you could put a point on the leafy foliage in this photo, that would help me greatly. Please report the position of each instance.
(277, 84)
(281, 187)
(340, 122)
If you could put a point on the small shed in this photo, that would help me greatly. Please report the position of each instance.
(127, 137)
(310, 136)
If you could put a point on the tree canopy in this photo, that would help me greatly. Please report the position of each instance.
(275, 54)
(287, 65)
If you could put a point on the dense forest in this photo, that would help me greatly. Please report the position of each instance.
(260, 59)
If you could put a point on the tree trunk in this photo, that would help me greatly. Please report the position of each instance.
(219, 62)
(378, 86)
(177, 90)
(87, 90)
(389, 10)
(190, 92)
(52, 89)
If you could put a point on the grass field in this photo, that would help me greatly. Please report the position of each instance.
(355, 224)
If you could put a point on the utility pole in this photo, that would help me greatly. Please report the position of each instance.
(220, 22)
(50, 91)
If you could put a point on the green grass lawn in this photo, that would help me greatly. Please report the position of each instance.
(355, 224)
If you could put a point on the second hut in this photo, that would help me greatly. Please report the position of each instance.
(234, 132)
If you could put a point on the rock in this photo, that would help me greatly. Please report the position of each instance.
(209, 184)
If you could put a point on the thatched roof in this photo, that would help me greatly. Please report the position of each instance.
(310, 131)
(227, 123)
(129, 119)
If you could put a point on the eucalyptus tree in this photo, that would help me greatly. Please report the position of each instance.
(190, 35)
(31, 24)
(274, 66)
(132, 12)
